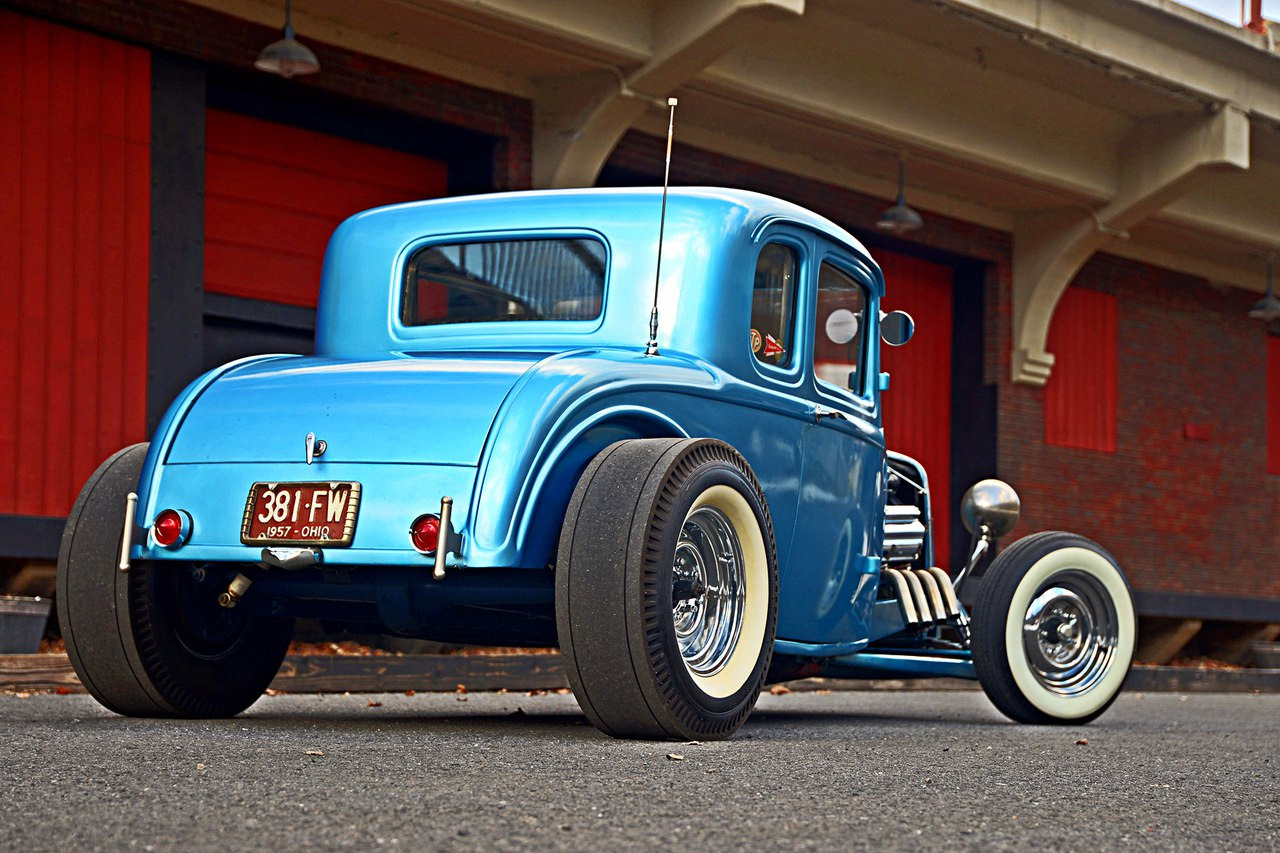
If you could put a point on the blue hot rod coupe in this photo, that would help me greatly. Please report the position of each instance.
(532, 420)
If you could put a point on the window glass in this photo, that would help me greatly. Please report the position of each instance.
(841, 323)
(773, 305)
(544, 279)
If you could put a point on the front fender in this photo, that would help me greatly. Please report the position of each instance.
(557, 418)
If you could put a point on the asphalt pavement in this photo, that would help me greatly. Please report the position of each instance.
(493, 771)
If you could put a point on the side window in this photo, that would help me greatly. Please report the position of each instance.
(841, 321)
(773, 305)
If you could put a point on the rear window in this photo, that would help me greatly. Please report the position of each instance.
(484, 282)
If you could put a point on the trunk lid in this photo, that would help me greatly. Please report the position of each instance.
(421, 408)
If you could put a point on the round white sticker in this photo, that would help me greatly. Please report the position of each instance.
(842, 326)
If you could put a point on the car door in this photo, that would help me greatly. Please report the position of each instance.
(834, 560)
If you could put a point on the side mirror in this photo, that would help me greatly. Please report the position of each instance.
(896, 328)
(992, 504)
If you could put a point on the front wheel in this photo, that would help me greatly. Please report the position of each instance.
(667, 589)
(1054, 630)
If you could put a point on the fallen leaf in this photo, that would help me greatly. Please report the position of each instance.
(410, 692)
(674, 756)
(199, 766)
(825, 691)
(373, 704)
(537, 692)
(461, 688)
(315, 752)
(563, 691)
(779, 690)
(1084, 741)
(64, 691)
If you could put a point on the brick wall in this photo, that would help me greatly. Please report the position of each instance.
(1185, 502)
(1191, 515)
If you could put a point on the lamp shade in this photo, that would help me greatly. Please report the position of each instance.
(1266, 309)
(900, 218)
(287, 57)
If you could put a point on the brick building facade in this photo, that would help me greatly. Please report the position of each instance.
(1159, 440)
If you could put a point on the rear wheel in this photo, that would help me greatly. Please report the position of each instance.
(154, 642)
(1054, 630)
(666, 589)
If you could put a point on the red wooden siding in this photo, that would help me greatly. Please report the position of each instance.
(1273, 405)
(1080, 398)
(275, 193)
(75, 129)
(917, 407)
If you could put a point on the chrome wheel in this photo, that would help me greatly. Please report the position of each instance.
(708, 590)
(666, 605)
(1070, 631)
(1053, 629)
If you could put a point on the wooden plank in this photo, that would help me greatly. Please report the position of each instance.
(1162, 639)
(386, 673)
(1179, 679)
(38, 672)
(397, 673)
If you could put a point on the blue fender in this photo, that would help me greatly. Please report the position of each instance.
(558, 416)
(167, 430)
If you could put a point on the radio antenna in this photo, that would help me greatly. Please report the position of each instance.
(652, 348)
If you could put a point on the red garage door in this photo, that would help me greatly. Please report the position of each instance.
(274, 194)
(75, 224)
(917, 408)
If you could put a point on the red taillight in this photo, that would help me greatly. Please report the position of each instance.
(425, 533)
(170, 528)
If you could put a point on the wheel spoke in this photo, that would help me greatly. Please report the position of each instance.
(708, 558)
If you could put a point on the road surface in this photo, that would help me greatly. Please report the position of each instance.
(843, 770)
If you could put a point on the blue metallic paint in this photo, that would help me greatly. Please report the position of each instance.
(503, 417)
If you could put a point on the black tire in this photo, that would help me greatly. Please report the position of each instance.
(153, 642)
(652, 649)
(1054, 630)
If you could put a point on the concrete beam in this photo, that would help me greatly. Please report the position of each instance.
(579, 119)
(1160, 161)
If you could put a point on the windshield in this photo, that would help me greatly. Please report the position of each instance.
(540, 279)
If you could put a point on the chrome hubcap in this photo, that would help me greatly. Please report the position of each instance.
(1070, 632)
(708, 591)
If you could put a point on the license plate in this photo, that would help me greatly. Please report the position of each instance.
(301, 513)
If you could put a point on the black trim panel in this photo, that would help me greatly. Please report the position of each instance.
(1219, 608)
(30, 537)
(176, 322)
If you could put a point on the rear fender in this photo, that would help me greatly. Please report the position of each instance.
(550, 489)
(559, 415)
(167, 430)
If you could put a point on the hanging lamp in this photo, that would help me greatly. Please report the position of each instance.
(287, 57)
(900, 218)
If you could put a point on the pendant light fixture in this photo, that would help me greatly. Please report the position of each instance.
(287, 57)
(900, 218)
(1267, 309)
